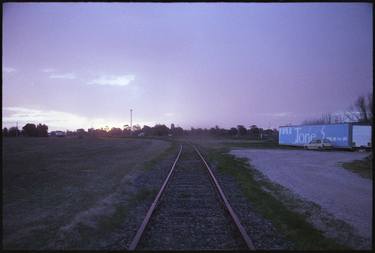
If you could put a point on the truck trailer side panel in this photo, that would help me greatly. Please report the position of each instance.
(338, 134)
(361, 136)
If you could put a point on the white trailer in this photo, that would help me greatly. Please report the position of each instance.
(342, 135)
(361, 136)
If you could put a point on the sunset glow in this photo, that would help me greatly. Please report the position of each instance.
(81, 65)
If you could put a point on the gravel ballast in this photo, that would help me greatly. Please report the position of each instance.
(190, 216)
(318, 177)
(261, 231)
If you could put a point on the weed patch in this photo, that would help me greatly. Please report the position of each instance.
(361, 167)
(171, 149)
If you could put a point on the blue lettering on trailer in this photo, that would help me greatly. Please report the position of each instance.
(338, 134)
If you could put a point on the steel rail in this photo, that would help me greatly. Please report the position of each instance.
(245, 236)
(142, 228)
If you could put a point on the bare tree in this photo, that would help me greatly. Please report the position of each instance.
(241, 130)
(326, 118)
(370, 107)
(361, 110)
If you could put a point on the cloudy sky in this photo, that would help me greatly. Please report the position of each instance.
(73, 65)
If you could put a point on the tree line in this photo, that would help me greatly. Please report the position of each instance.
(360, 111)
(29, 130)
(253, 132)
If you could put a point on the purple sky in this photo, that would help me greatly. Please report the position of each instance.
(192, 64)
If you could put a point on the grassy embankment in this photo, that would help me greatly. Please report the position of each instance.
(362, 167)
(292, 224)
(116, 219)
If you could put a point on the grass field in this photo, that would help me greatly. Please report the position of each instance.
(77, 191)
(213, 142)
(362, 167)
(53, 186)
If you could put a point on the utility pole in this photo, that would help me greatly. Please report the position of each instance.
(131, 119)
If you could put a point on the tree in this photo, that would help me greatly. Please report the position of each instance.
(42, 130)
(136, 128)
(91, 132)
(160, 130)
(254, 132)
(115, 132)
(241, 130)
(13, 131)
(127, 131)
(81, 132)
(5, 132)
(30, 130)
(100, 133)
(69, 133)
(178, 131)
(361, 110)
(233, 131)
(147, 130)
(214, 131)
(268, 134)
(326, 118)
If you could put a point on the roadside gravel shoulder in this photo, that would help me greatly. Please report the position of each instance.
(336, 201)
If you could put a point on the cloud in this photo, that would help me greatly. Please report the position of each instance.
(63, 76)
(113, 80)
(275, 114)
(169, 114)
(9, 70)
(50, 117)
(48, 70)
(58, 120)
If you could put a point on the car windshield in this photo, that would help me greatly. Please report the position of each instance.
(326, 141)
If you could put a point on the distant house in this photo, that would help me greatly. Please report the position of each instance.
(57, 134)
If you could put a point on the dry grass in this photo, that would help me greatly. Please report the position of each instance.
(361, 167)
(55, 183)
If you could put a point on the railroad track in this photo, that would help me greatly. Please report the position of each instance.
(191, 212)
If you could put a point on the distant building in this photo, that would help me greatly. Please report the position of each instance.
(57, 134)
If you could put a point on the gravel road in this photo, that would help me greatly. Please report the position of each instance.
(318, 177)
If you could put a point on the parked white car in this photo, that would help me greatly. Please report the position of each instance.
(319, 144)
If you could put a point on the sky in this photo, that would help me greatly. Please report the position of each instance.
(82, 65)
